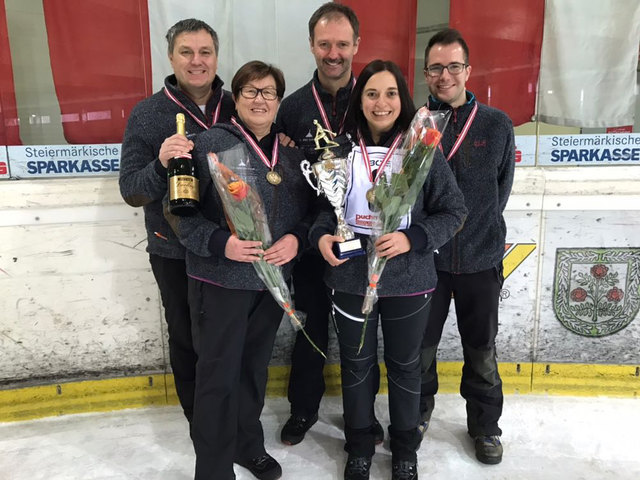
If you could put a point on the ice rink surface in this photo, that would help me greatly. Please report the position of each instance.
(545, 437)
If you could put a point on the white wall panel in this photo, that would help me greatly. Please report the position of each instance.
(79, 298)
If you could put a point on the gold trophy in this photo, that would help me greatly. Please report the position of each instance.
(332, 177)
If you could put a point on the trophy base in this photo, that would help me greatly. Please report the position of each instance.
(348, 249)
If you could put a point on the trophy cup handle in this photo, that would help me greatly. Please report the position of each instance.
(305, 166)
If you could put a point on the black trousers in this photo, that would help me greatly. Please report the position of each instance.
(234, 332)
(403, 321)
(306, 382)
(476, 300)
(171, 277)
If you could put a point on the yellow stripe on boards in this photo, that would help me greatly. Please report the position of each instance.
(152, 390)
(81, 397)
(586, 380)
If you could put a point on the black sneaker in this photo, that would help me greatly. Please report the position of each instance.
(404, 470)
(264, 467)
(296, 427)
(357, 468)
(488, 449)
(378, 431)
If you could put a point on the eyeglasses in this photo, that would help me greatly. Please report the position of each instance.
(267, 93)
(453, 68)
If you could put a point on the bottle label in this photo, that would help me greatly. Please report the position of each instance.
(183, 187)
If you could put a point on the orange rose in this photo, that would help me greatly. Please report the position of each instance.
(238, 189)
(432, 138)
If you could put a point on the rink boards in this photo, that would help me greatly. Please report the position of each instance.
(82, 324)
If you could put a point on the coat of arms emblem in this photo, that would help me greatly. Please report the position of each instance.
(596, 290)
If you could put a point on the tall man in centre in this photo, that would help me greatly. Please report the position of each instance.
(334, 39)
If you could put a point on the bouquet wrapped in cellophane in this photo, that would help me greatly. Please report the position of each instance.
(234, 179)
(395, 194)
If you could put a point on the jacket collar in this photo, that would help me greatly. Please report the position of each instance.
(344, 91)
(434, 104)
(172, 84)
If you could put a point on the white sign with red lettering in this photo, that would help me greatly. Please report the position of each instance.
(525, 150)
(4, 163)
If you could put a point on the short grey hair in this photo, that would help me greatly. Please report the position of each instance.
(190, 25)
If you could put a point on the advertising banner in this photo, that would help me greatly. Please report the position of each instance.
(589, 150)
(35, 161)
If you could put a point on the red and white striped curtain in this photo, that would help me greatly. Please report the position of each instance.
(567, 62)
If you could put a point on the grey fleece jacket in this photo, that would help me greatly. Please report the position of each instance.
(143, 179)
(437, 213)
(299, 110)
(205, 234)
(483, 167)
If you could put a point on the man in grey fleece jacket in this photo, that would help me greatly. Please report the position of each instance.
(479, 146)
(150, 141)
(334, 40)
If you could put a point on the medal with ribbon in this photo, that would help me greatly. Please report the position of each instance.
(273, 177)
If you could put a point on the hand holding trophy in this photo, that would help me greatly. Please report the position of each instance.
(332, 176)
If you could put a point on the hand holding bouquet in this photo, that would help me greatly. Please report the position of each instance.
(247, 220)
(394, 195)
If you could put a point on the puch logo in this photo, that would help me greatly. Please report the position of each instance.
(514, 255)
(596, 291)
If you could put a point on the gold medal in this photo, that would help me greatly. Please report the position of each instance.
(371, 195)
(273, 178)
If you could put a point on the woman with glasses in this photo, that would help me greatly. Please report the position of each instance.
(234, 317)
(380, 112)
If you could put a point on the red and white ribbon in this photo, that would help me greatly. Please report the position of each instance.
(256, 148)
(216, 113)
(385, 160)
(463, 133)
(323, 113)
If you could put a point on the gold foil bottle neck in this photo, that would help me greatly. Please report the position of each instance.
(180, 121)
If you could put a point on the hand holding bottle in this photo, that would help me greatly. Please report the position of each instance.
(184, 192)
(176, 145)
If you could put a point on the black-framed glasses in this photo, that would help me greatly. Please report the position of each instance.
(267, 93)
(454, 68)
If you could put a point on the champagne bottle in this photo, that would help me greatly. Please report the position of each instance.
(184, 193)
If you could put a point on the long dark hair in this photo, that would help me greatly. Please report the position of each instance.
(355, 118)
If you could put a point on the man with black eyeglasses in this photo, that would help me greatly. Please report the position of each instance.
(480, 149)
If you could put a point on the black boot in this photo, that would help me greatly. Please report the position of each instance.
(264, 467)
(404, 470)
(357, 468)
(296, 427)
(488, 449)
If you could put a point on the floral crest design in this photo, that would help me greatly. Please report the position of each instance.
(597, 291)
